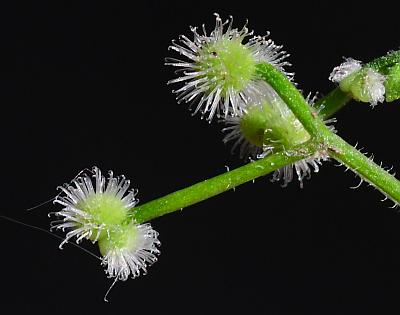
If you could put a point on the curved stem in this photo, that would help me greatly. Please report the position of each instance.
(219, 184)
(323, 139)
(292, 97)
(337, 147)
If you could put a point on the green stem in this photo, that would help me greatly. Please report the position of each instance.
(292, 97)
(336, 99)
(332, 102)
(364, 167)
(337, 147)
(218, 184)
(382, 64)
(323, 139)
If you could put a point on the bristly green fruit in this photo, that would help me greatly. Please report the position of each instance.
(95, 208)
(122, 236)
(129, 249)
(392, 83)
(219, 70)
(229, 62)
(105, 209)
(93, 205)
(365, 85)
(273, 125)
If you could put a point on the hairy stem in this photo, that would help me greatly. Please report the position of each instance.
(322, 139)
(364, 167)
(381, 64)
(292, 97)
(219, 184)
(337, 147)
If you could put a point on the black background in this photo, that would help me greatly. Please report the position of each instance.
(83, 84)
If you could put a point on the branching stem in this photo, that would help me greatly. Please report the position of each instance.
(322, 139)
(336, 146)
